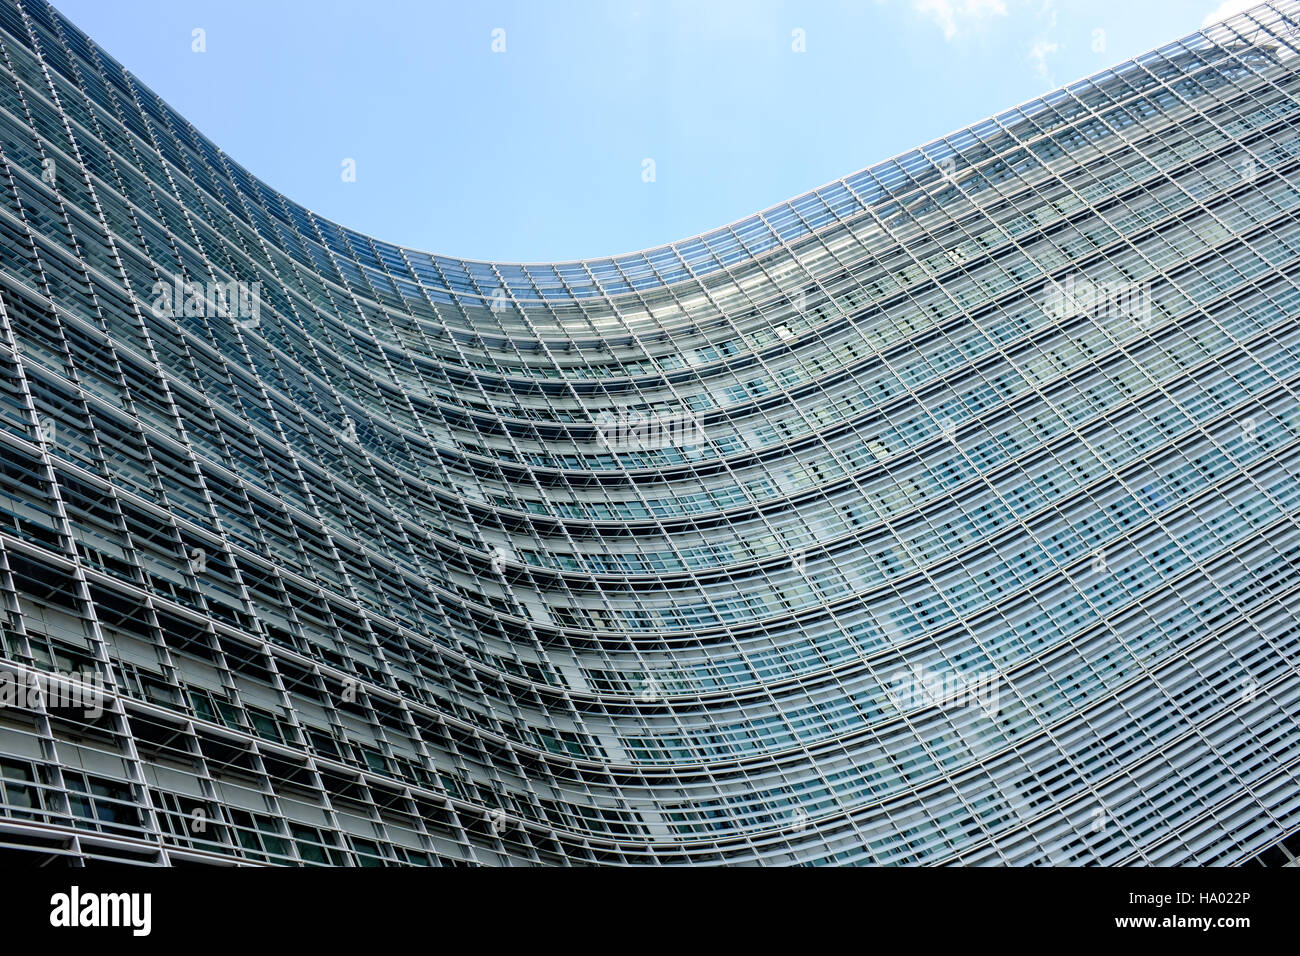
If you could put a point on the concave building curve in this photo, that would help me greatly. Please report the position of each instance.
(945, 514)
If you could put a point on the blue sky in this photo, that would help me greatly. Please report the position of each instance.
(538, 152)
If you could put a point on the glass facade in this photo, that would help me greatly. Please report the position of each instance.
(980, 546)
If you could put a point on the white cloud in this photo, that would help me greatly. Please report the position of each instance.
(1229, 8)
(1039, 52)
(1048, 10)
(946, 13)
(1043, 45)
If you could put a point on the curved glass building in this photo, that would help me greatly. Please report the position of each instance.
(948, 513)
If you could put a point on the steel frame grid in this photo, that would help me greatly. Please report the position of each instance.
(476, 697)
